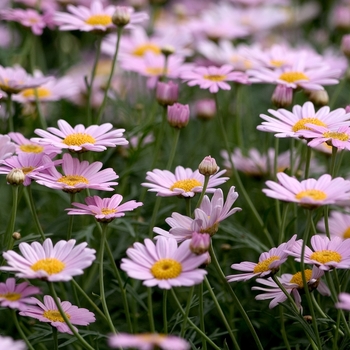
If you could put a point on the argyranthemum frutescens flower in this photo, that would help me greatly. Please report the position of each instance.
(338, 223)
(148, 341)
(293, 285)
(326, 254)
(309, 193)
(77, 176)
(59, 262)
(48, 312)
(185, 182)
(16, 296)
(344, 301)
(9, 343)
(164, 264)
(7, 148)
(269, 263)
(79, 139)
(104, 209)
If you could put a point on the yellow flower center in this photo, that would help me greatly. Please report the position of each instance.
(264, 265)
(166, 268)
(50, 265)
(41, 92)
(99, 20)
(298, 278)
(215, 77)
(316, 195)
(78, 139)
(107, 211)
(186, 185)
(342, 136)
(325, 256)
(11, 296)
(72, 180)
(54, 315)
(239, 59)
(346, 233)
(151, 337)
(30, 148)
(155, 70)
(142, 49)
(300, 124)
(277, 63)
(27, 169)
(291, 77)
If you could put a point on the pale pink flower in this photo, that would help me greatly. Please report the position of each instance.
(213, 78)
(205, 108)
(285, 123)
(327, 254)
(16, 296)
(164, 264)
(338, 223)
(269, 263)
(104, 209)
(9, 343)
(309, 193)
(294, 286)
(93, 138)
(148, 341)
(344, 301)
(47, 311)
(59, 262)
(77, 176)
(184, 182)
(7, 148)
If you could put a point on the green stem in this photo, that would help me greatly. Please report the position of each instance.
(291, 155)
(20, 330)
(165, 317)
(283, 329)
(326, 223)
(187, 311)
(191, 323)
(150, 310)
(307, 161)
(284, 290)
(173, 149)
(201, 315)
(9, 111)
(283, 224)
(333, 160)
(85, 345)
(205, 185)
(55, 338)
(238, 304)
(11, 226)
(70, 218)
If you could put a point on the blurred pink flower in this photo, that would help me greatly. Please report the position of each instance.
(7, 148)
(344, 301)
(338, 223)
(9, 343)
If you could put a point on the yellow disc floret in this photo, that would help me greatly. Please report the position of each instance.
(78, 139)
(186, 185)
(54, 315)
(298, 278)
(215, 77)
(166, 269)
(300, 124)
(291, 77)
(325, 256)
(31, 148)
(41, 92)
(107, 211)
(11, 296)
(149, 47)
(50, 265)
(342, 136)
(264, 265)
(72, 180)
(99, 20)
(313, 194)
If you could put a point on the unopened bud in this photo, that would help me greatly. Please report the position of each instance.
(200, 243)
(167, 93)
(282, 96)
(16, 236)
(205, 109)
(318, 97)
(178, 115)
(345, 45)
(121, 16)
(15, 177)
(347, 109)
(167, 50)
(208, 166)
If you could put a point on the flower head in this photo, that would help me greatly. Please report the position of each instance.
(104, 209)
(309, 193)
(184, 182)
(7, 148)
(167, 93)
(16, 296)
(178, 115)
(47, 311)
(9, 343)
(59, 262)
(338, 223)
(164, 264)
(79, 139)
(344, 301)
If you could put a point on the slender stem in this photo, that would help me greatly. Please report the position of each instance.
(20, 330)
(55, 338)
(221, 313)
(150, 310)
(238, 304)
(173, 149)
(11, 226)
(9, 111)
(333, 160)
(102, 288)
(291, 155)
(308, 160)
(326, 223)
(154, 215)
(201, 315)
(66, 319)
(275, 158)
(205, 185)
(187, 311)
(284, 290)
(283, 224)
(70, 219)
(108, 85)
(283, 329)
(191, 323)
(165, 316)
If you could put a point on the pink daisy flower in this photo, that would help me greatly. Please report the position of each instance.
(24, 145)
(327, 254)
(294, 286)
(164, 264)
(269, 263)
(104, 209)
(47, 311)
(93, 18)
(338, 223)
(213, 78)
(59, 262)
(148, 341)
(7, 148)
(9, 343)
(309, 193)
(79, 139)
(344, 301)
(16, 296)
(339, 138)
(77, 176)
(184, 182)
(32, 164)
(287, 124)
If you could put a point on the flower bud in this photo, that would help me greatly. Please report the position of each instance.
(318, 97)
(178, 115)
(208, 166)
(167, 50)
(200, 243)
(16, 236)
(167, 93)
(205, 109)
(282, 96)
(345, 45)
(347, 109)
(121, 16)
(15, 177)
